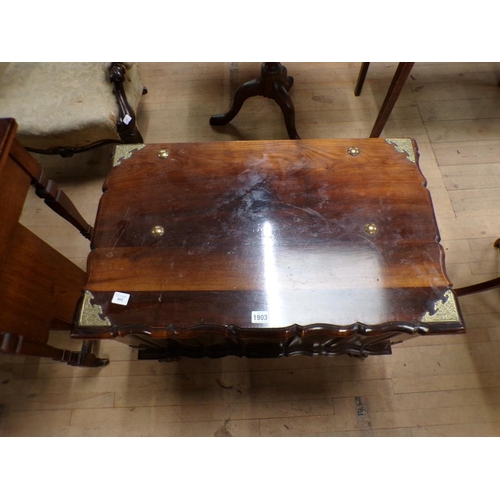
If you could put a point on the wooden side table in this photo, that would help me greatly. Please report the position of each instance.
(266, 249)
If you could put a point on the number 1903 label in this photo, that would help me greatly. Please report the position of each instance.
(260, 317)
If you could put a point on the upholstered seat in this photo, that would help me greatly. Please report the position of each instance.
(67, 107)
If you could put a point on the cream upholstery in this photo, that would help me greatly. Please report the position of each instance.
(64, 104)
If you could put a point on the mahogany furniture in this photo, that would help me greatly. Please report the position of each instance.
(266, 249)
(273, 83)
(39, 287)
(398, 81)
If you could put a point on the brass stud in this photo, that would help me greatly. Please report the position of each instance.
(353, 151)
(158, 231)
(371, 228)
(163, 153)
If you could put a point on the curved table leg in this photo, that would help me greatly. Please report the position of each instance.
(249, 89)
(288, 83)
(272, 83)
(284, 101)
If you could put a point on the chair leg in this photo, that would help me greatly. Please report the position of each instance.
(402, 72)
(50, 191)
(58, 201)
(361, 78)
(132, 137)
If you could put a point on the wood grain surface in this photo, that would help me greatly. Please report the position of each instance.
(265, 249)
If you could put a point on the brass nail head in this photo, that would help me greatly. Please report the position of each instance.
(371, 228)
(163, 153)
(353, 151)
(158, 231)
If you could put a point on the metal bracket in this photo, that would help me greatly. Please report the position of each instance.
(404, 146)
(124, 152)
(91, 314)
(445, 310)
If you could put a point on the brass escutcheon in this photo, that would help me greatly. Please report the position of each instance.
(163, 153)
(353, 151)
(371, 228)
(158, 231)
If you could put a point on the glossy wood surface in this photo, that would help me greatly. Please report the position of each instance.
(278, 227)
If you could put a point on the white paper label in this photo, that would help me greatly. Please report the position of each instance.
(260, 317)
(120, 298)
(127, 119)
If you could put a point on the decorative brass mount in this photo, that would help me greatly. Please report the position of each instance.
(91, 314)
(124, 152)
(445, 310)
(404, 146)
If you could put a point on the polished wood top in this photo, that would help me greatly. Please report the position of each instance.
(268, 234)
